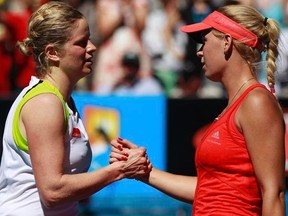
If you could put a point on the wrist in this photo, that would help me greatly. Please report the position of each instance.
(119, 169)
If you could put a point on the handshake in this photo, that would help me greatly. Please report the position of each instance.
(134, 160)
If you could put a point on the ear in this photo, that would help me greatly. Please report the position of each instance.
(51, 53)
(228, 42)
(228, 46)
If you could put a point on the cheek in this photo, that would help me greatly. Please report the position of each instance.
(78, 54)
(212, 62)
(212, 55)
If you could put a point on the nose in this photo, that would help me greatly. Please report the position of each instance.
(91, 47)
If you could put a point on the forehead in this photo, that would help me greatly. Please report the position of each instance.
(80, 28)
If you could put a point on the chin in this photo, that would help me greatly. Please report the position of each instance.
(87, 70)
(212, 77)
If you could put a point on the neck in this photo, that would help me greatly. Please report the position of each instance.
(239, 90)
(237, 93)
(62, 84)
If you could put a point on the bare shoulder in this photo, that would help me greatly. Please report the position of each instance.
(43, 108)
(259, 107)
(45, 102)
(260, 101)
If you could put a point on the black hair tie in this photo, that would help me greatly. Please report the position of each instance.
(265, 21)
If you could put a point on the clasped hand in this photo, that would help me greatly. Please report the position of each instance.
(136, 162)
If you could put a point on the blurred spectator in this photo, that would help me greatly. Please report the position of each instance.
(165, 42)
(218, 3)
(6, 60)
(282, 64)
(14, 19)
(126, 20)
(133, 84)
(109, 17)
(189, 83)
(272, 9)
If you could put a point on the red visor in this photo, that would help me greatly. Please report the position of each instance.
(226, 25)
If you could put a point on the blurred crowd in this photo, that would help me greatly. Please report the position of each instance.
(140, 49)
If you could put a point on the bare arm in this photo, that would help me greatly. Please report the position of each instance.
(108, 17)
(177, 186)
(285, 11)
(261, 121)
(44, 126)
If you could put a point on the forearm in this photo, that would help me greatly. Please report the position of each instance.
(177, 186)
(75, 187)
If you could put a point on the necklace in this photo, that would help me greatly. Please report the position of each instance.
(244, 83)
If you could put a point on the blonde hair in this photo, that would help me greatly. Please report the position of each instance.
(267, 30)
(52, 23)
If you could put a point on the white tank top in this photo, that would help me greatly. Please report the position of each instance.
(18, 191)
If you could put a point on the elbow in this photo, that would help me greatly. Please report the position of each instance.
(277, 194)
(282, 195)
(281, 192)
(50, 198)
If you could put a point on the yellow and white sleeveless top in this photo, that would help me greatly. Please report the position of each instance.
(18, 191)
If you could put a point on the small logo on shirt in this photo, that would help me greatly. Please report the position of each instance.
(214, 138)
(76, 133)
(216, 135)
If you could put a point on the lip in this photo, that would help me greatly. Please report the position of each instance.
(202, 61)
(89, 60)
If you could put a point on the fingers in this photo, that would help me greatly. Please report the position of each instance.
(116, 145)
(126, 143)
(117, 155)
(120, 149)
(112, 160)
